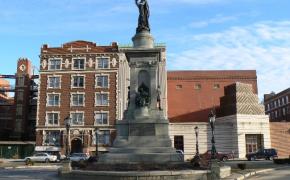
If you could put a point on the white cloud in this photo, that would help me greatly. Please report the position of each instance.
(196, 2)
(263, 46)
(219, 19)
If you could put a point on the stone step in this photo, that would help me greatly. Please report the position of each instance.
(143, 150)
(141, 141)
(141, 158)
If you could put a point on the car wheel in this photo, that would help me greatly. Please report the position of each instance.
(28, 161)
(46, 160)
(271, 158)
(224, 158)
(253, 158)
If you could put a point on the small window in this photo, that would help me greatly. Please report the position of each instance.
(102, 99)
(52, 138)
(179, 86)
(79, 64)
(215, 86)
(77, 118)
(102, 81)
(197, 86)
(52, 118)
(78, 81)
(284, 111)
(53, 100)
(104, 137)
(178, 143)
(101, 118)
(20, 81)
(78, 99)
(103, 63)
(54, 82)
(54, 64)
(287, 100)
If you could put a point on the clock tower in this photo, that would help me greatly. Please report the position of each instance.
(22, 91)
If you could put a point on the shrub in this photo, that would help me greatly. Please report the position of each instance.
(282, 161)
(241, 166)
(81, 164)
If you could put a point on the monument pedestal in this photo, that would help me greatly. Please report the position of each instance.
(143, 39)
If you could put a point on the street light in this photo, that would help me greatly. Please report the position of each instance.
(211, 118)
(196, 136)
(67, 122)
(97, 143)
(196, 157)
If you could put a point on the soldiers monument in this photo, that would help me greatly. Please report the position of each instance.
(142, 136)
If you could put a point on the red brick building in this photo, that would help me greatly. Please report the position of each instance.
(277, 106)
(87, 83)
(192, 94)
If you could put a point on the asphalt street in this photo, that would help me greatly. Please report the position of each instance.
(281, 174)
(27, 174)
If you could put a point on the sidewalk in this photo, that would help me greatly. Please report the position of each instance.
(252, 168)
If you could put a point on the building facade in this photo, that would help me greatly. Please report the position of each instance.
(277, 106)
(87, 84)
(191, 97)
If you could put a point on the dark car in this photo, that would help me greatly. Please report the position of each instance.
(219, 155)
(268, 154)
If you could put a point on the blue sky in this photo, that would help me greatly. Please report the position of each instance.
(199, 34)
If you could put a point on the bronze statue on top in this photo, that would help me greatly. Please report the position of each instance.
(144, 13)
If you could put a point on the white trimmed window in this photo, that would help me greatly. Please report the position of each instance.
(102, 81)
(77, 99)
(103, 63)
(104, 137)
(54, 64)
(52, 118)
(78, 81)
(54, 82)
(101, 118)
(287, 100)
(102, 99)
(79, 63)
(53, 99)
(52, 138)
(77, 118)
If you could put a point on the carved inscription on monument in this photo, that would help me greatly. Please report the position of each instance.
(142, 130)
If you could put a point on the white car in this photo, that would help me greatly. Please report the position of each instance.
(77, 157)
(41, 157)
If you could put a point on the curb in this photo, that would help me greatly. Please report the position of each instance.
(32, 167)
(240, 176)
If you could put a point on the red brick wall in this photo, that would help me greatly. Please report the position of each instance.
(280, 137)
(191, 105)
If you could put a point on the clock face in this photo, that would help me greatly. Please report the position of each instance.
(22, 67)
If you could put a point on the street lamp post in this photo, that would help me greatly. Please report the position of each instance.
(196, 157)
(211, 118)
(97, 143)
(196, 136)
(67, 121)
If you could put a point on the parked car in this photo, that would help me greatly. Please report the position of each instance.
(41, 157)
(219, 155)
(268, 154)
(77, 157)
